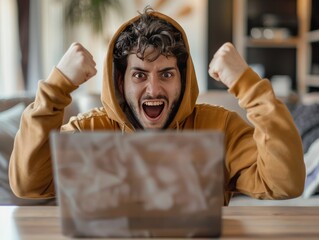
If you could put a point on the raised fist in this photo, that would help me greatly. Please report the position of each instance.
(77, 64)
(227, 65)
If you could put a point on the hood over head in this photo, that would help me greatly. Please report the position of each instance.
(111, 98)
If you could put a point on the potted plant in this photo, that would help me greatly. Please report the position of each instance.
(92, 12)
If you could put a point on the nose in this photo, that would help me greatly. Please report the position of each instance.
(153, 87)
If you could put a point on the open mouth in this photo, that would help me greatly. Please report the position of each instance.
(153, 109)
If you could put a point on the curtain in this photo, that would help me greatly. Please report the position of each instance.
(46, 38)
(11, 75)
(35, 63)
(23, 18)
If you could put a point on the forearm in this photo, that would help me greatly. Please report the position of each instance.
(278, 170)
(30, 170)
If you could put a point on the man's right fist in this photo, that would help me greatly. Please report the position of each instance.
(77, 64)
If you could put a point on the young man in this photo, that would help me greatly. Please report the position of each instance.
(149, 83)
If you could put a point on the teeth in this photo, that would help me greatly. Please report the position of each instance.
(156, 103)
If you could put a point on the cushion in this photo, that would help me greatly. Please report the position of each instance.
(9, 125)
(311, 158)
(306, 118)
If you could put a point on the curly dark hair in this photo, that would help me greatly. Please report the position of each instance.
(147, 32)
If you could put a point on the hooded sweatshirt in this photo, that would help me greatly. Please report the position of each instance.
(263, 159)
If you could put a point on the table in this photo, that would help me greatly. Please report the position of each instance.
(244, 222)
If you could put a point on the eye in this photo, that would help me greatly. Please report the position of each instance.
(139, 75)
(167, 74)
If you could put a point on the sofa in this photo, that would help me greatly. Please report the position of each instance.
(305, 113)
(11, 109)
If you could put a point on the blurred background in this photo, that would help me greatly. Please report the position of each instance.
(34, 35)
(278, 38)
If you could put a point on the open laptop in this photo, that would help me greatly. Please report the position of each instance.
(145, 184)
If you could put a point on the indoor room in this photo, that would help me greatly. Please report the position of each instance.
(274, 42)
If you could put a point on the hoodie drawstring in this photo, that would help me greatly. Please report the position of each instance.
(177, 126)
(123, 128)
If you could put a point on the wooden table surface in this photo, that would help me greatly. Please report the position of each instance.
(243, 222)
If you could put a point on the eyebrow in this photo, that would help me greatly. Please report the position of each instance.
(162, 70)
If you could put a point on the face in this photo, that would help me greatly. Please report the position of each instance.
(152, 89)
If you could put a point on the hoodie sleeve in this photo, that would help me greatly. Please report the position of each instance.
(30, 172)
(265, 161)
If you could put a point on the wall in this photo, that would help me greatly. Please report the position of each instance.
(191, 14)
(50, 38)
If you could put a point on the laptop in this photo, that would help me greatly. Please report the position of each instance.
(145, 184)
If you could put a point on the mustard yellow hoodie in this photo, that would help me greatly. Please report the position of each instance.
(264, 161)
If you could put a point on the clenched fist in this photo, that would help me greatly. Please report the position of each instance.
(77, 64)
(227, 65)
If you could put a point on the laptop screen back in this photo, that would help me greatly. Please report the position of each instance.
(146, 184)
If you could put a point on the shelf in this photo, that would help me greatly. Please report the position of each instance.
(313, 36)
(294, 54)
(272, 43)
(314, 18)
(312, 80)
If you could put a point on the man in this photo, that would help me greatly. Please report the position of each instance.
(149, 83)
